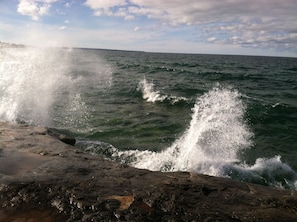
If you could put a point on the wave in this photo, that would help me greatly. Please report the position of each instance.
(151, 95)
(29, 79)
(216, 133)
(44, 86)
(214, 144)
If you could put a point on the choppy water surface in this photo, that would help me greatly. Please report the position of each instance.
(231, 116)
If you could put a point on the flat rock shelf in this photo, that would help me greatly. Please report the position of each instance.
(44, 179)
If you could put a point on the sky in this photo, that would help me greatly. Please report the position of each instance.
(241, 27)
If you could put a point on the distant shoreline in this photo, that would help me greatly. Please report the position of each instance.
(15, 45)
(11, 45)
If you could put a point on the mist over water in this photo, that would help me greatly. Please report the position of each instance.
(44, 86)
(29, 81)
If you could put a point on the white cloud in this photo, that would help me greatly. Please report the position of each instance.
(34, 8)
(67, 5)
(62, 28)
(103, 7)
(99, 4)
(136, 29)
(211, 39)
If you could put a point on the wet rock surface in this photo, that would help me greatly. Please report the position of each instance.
(44, 179)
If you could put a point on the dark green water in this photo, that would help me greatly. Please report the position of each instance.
(233, 116)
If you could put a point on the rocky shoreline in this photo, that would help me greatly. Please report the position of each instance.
(44, 179)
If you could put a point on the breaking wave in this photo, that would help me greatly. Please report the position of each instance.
(44, 86)
(213, 144)
(29, 80)
(151, 95)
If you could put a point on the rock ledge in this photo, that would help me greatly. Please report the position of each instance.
(43, 179)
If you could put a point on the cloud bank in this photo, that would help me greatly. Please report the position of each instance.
(250, 23)
(261, 24)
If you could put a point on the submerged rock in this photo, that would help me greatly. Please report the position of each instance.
(43, 179)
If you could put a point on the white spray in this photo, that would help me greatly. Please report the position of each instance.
(216, 134)
(44, 85)
(29, 79)
(212, 145)
(151, 95)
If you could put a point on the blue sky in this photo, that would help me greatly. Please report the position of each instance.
(246, 27)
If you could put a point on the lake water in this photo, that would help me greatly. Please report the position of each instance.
(228, 116)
